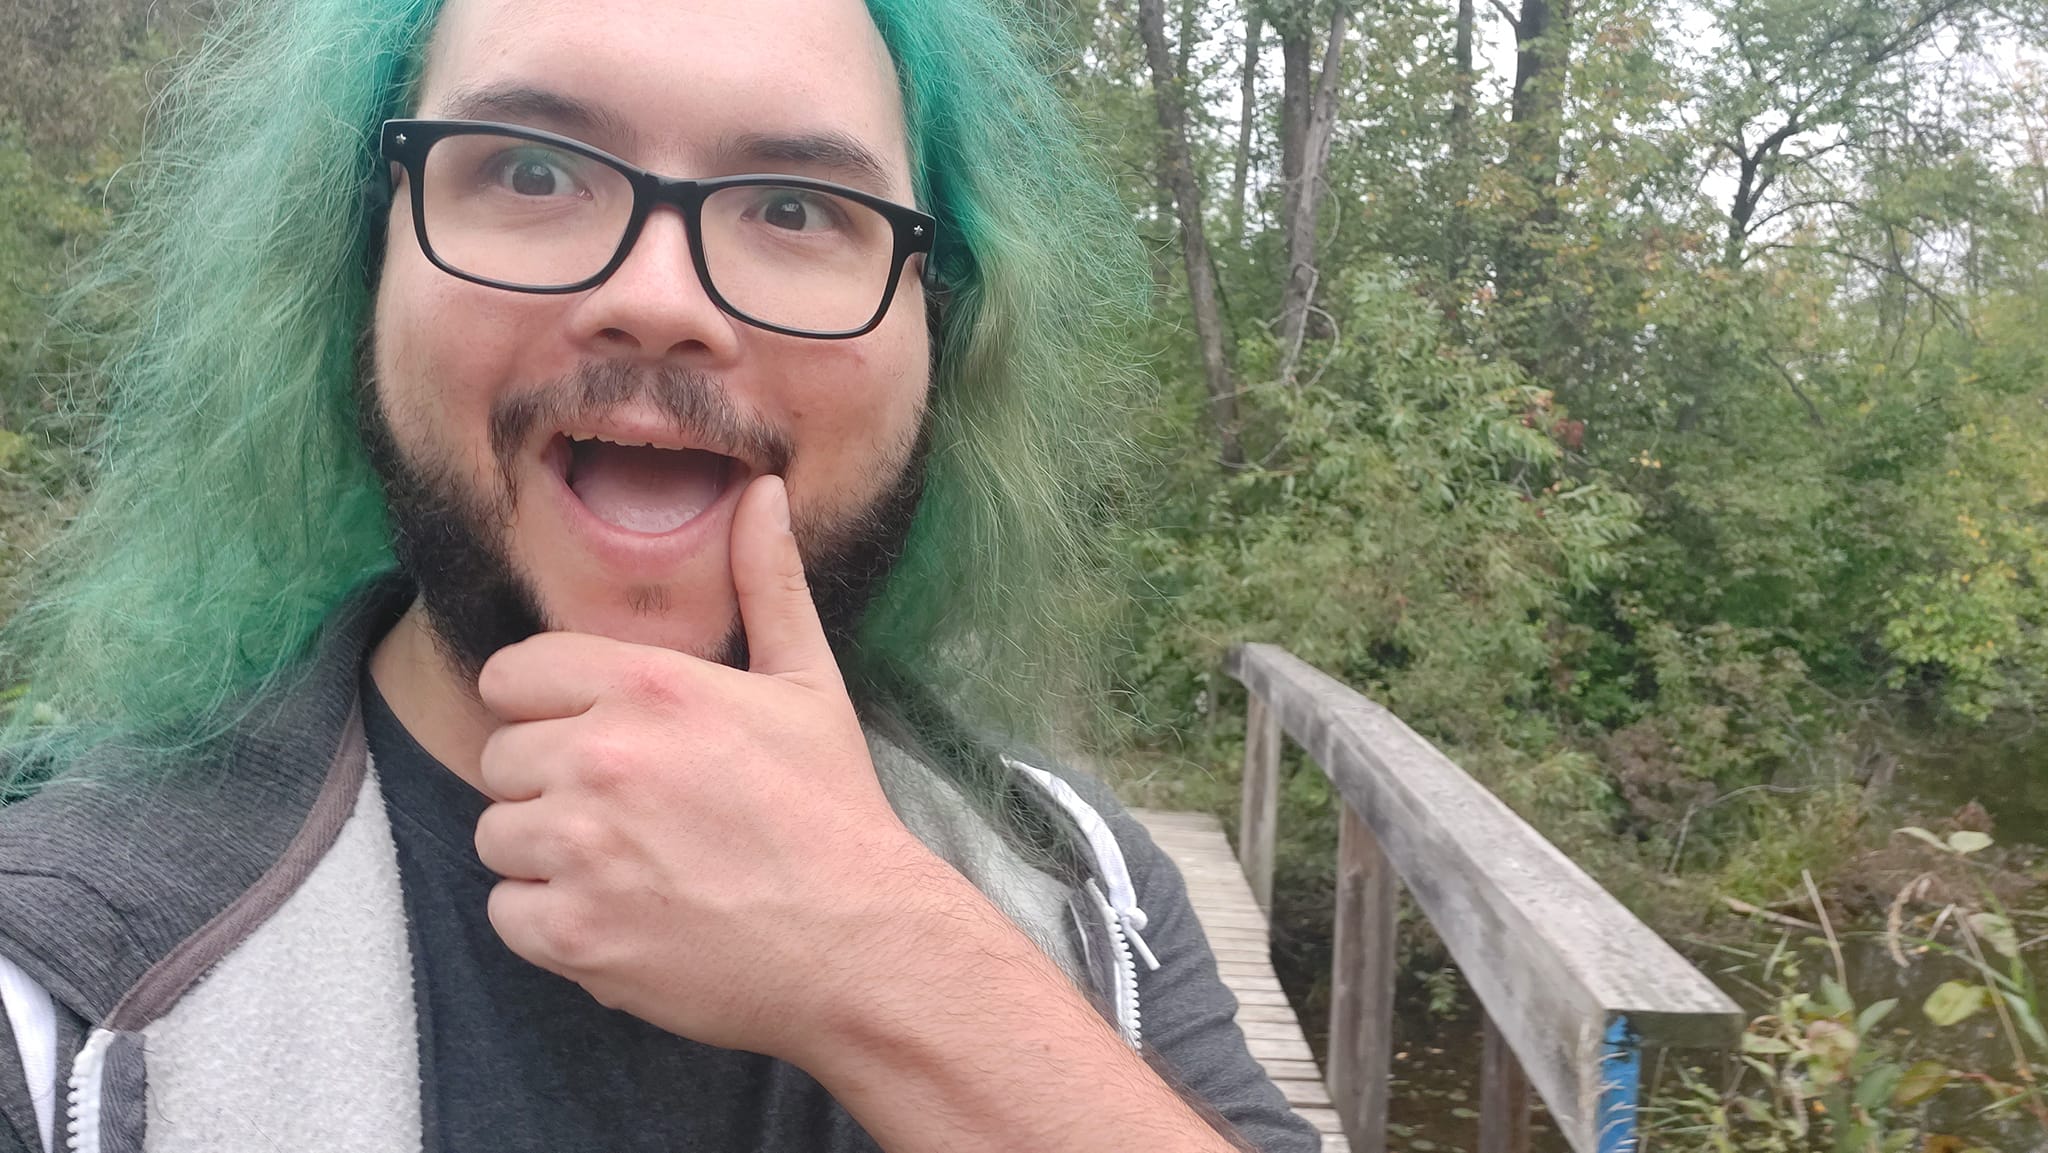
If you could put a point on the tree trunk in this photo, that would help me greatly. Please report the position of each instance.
(1305, 189)
(1541, 42)
(1247, 115)
(1296, 45)
(1535, 133)
(1464, 161)
(1464, 79)
(1179, 171)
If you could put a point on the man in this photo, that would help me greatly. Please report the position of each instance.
(598, 825)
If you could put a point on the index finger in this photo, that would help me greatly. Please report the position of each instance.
(545, 676)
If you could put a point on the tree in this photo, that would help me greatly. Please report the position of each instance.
(1543, 37)
(1308, 118)
(1177, 170)
(1247, 118)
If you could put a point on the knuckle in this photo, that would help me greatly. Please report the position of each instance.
(607, 766)
(582, 837)
(794, 582)
(650, 680)
(568, 933)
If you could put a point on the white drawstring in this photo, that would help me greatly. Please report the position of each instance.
(1109, 856)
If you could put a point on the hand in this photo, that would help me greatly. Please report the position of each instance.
(705, 848)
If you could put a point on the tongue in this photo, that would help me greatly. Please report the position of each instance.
(644, 489)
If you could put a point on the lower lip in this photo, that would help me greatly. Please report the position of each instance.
(645, 555)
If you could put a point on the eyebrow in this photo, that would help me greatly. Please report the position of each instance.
(834, 153)
(524, 104)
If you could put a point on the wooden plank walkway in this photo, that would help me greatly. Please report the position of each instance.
(1237, 931)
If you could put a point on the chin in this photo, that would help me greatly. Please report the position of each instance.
(653, 615)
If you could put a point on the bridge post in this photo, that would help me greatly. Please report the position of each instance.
(1503, 1094)
(1259, 816)
(1362, 985)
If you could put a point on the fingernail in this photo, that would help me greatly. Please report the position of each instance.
(782, 504)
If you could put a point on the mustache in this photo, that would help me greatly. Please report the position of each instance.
(692, 400)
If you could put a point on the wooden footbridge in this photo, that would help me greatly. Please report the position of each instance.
(1573, 987)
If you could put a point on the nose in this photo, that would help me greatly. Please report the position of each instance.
(654, 306)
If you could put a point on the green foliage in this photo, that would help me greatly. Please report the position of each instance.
(1826, 1077)
(1660, 493)
(1407, 528)
(1820, 1070)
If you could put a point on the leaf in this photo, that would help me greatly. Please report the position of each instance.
(1996, 931)
(1835, 997)
(1875, 1013)
(1923, 834)
(1921, 1080)
(1757, 1043)
(1876, 1086)
(1968, 841)
(1955, 1001)
(1860, 1135)
(2029, 1023)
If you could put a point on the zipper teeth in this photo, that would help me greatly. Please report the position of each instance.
(1119, 909)
(1126, 977)
(82, 1102)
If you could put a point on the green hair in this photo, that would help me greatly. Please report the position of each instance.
(233, 508)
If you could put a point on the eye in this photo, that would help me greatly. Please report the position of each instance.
(796, 210)
(537, 173)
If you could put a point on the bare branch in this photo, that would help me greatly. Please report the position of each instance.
(1813, 416)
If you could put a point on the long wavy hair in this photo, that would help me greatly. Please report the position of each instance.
(233, 509)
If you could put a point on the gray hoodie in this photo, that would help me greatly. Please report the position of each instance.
(218, 960)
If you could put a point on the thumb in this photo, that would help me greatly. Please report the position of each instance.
(784, 636)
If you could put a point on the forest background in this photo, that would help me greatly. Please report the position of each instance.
(1642, 398)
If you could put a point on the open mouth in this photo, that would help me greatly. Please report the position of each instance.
(641, 487)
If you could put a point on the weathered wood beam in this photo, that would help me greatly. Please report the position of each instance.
(1259, 813)
(1362, 985)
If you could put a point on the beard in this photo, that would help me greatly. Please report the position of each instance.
(452, 540)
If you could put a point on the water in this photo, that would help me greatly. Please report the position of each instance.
(2005, 769)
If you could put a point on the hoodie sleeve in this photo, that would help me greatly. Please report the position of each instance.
(1190, 1018)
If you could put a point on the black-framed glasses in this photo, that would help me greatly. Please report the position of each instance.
(529, 211)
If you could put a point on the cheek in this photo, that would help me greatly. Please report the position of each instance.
(856, 417)
(443, 346)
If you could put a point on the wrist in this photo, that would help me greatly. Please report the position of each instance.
(981, 1042)
(929, 954)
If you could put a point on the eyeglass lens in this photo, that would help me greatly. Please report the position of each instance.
(526, 213)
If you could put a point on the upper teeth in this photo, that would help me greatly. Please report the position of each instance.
(609, 440)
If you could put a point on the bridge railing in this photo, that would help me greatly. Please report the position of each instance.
(1573, 986)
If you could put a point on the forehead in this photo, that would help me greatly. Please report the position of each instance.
(669, 78)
